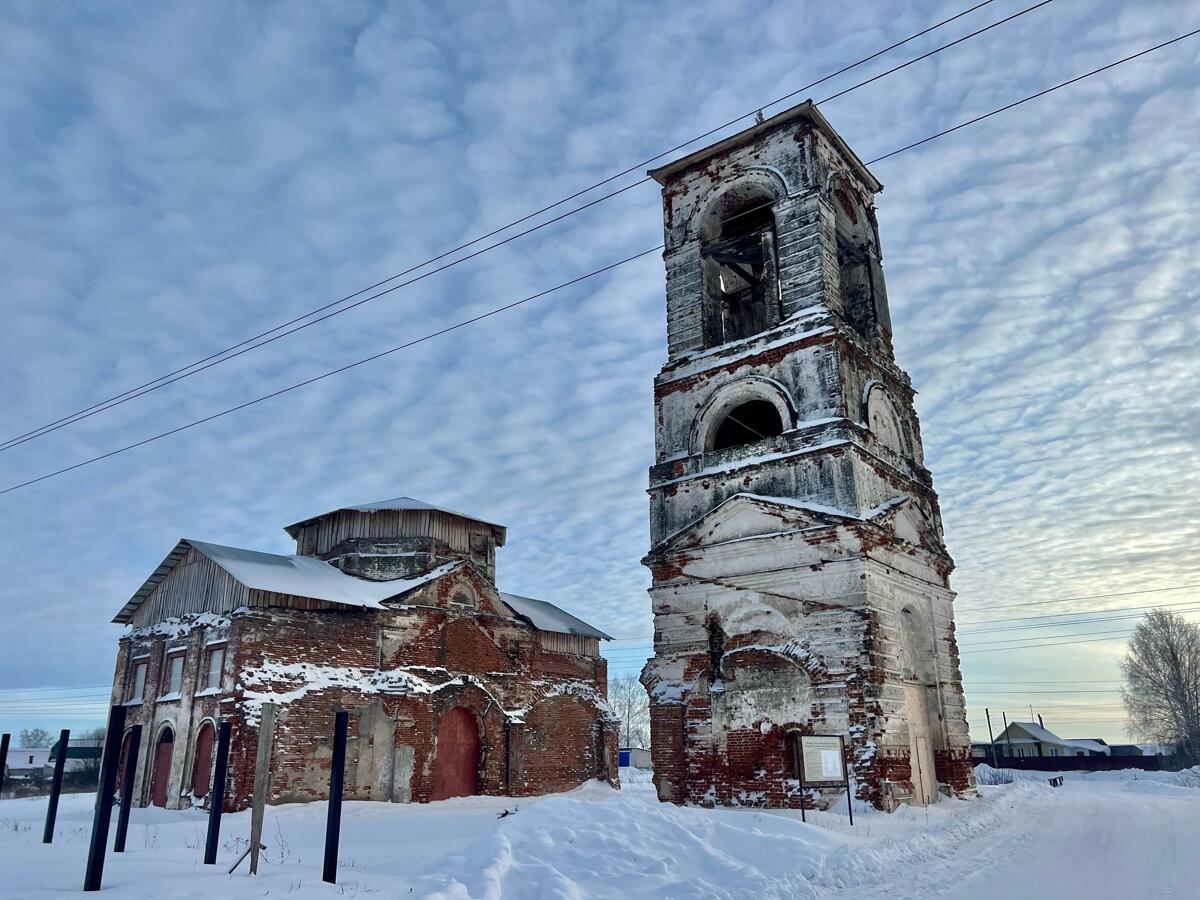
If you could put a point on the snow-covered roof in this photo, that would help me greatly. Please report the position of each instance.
(1038, 733)
(397, 503)
(299, 576)
(307, 576)
(548, 617)
(21, 758)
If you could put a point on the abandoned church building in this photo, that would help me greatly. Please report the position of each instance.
(389, 611)
(800, 584)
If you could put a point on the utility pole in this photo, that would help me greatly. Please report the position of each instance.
(991, 740)
(1007, 735)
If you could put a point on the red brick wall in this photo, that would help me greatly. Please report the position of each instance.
(562, 741)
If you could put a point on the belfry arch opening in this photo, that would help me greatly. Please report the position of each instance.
(751, 421)
(737, 250)
(860, 277)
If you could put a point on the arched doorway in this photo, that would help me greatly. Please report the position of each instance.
(456, 764)
(162, 766)
(202, 760)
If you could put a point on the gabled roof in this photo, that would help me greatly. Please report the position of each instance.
(299, 576)
(396, 504)
(1038, 733)
(548, 617)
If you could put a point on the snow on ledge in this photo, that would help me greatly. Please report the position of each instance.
(284, 683)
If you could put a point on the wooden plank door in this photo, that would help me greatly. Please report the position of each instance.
(456, 765)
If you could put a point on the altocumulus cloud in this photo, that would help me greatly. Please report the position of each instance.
(177, 178)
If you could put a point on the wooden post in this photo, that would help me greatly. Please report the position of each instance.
(333, 822)
(991, 739)
(64, 741)
(127, 778)
(217, 804)
(4, 739)
(262, 780)
(104, 797)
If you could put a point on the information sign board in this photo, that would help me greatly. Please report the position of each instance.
(823, 760)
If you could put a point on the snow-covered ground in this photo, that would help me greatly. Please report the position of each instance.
(1123, 834)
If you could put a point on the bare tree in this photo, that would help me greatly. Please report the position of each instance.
(35, 737)
(630, 702)
(1162, 682)
(88, 767)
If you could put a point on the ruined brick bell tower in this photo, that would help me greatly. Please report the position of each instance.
(800, 583)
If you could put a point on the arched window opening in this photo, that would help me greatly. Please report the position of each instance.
(752, 421)
(860, 276)
(462, 598)
(740, 281)
(202, 761)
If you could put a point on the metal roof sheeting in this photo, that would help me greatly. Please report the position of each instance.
(297, 576)
(548, 617)
(307, 576)
(401, 504)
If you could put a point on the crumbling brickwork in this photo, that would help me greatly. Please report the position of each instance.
(800, 583)
(448, 643)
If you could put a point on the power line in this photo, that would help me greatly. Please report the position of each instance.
(426, 337)
(1048, 90)
(1077, 681)
(82, 687)
(1070, 691)
(1187, 606)
(1035, 646)
(506, 307)
(249, 344)
(1019, 640)
(1178, 587)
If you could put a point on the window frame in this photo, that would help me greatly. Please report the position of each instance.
(136, 689)
(212, 650)
(170, 659)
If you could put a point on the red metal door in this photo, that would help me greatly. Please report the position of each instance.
(162, 768)
(202, 763)
(456, 766)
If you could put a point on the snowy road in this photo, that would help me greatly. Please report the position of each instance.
(1110, 835)
(1095, 839)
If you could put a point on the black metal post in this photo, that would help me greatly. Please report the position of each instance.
(849, 796)
(127, 778)
(64, 741)
(4, 738)
(217, 804)
(333, 826)
(800, 777)
(104, 798)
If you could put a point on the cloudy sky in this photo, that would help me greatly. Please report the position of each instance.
(175, 178)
